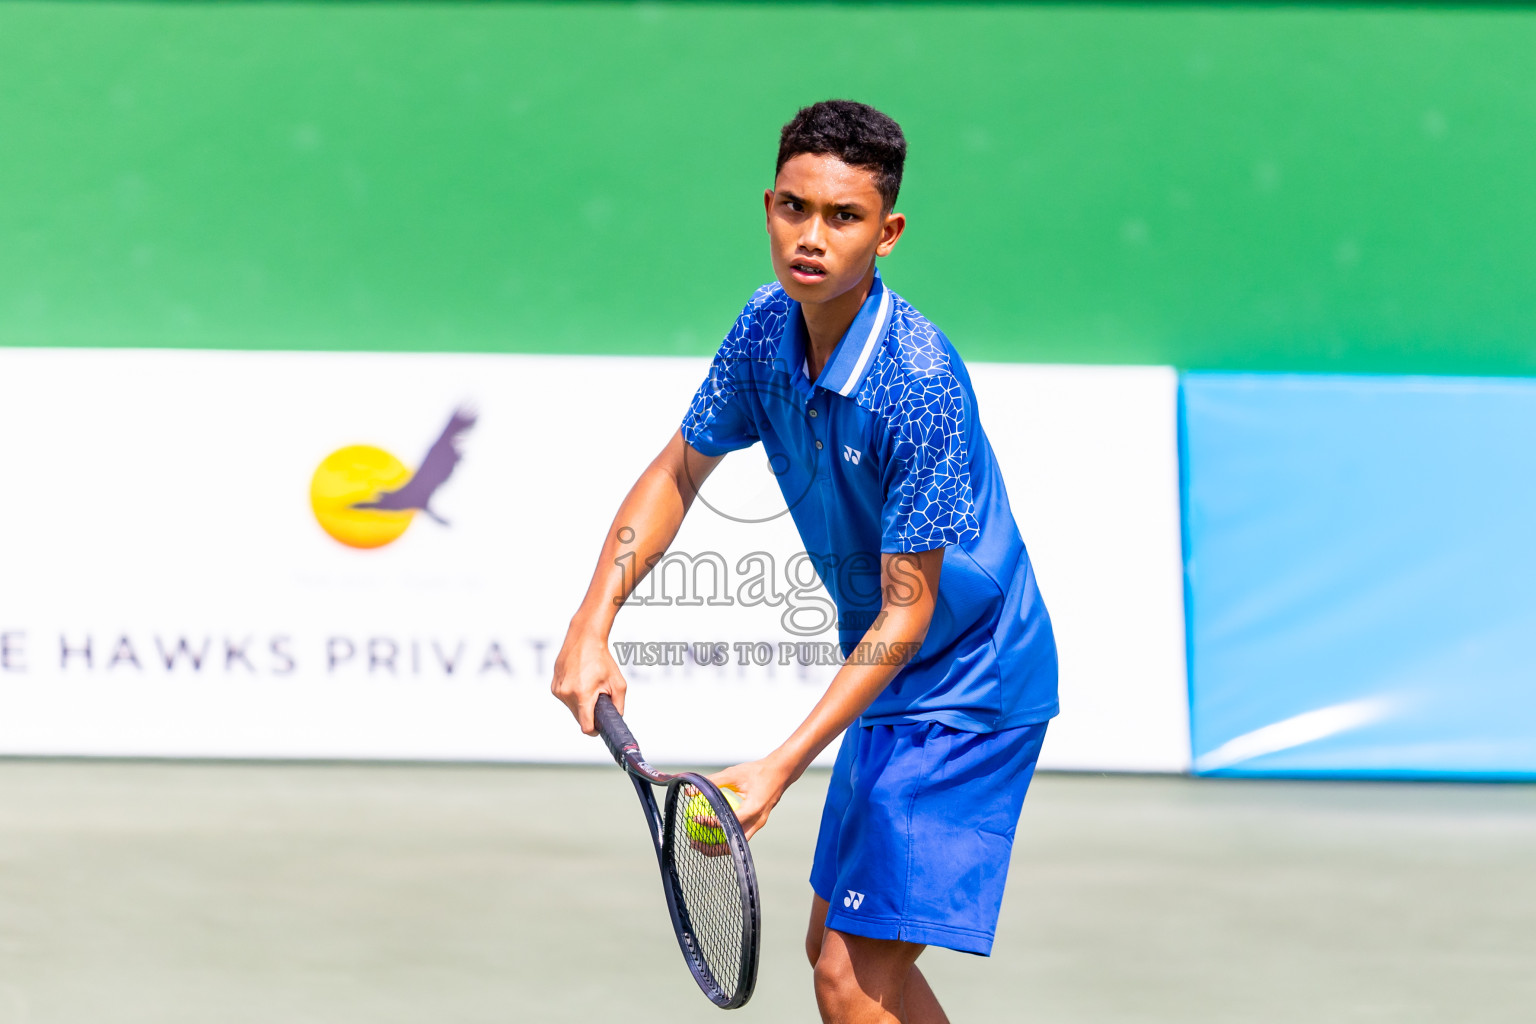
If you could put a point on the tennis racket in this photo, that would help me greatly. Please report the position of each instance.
(710, 885)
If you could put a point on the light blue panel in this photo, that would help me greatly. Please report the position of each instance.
(1361, 560)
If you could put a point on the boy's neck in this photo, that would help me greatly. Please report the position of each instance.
(827, 322)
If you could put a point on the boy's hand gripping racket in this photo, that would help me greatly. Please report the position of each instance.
(710, 884)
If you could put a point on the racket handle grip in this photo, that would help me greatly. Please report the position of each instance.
(610, 725)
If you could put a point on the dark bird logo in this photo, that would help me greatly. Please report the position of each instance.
(433, 472)
(365, 497)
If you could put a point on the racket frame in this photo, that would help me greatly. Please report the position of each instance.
(626, 752)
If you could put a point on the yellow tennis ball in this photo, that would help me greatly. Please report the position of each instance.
(699, 818)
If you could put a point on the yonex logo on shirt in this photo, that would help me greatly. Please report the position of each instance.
(853, 899)
(851, 454)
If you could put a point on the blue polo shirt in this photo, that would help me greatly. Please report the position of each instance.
(884, 453)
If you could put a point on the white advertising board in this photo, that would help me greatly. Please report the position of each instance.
(166, 587)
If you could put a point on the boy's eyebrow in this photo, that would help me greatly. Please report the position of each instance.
(849, 205)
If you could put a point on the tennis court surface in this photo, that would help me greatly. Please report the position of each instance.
(168, 893)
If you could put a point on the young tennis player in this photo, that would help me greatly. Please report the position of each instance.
(867, 414)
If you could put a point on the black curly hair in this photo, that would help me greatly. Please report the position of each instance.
(855, 133)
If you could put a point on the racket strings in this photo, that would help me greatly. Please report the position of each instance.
(708, 887)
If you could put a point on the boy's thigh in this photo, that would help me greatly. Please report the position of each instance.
(815, 929)
(846, 945)
(871, 968)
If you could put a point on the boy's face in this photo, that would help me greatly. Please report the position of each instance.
(826, 225)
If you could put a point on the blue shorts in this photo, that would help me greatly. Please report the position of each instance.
(918, 828)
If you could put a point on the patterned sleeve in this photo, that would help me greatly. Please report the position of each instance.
(720, 417)
(928, 498)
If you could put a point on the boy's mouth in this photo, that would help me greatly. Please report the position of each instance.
(804, 270)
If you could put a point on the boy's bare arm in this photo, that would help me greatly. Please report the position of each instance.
(645, 525)
(910, 585)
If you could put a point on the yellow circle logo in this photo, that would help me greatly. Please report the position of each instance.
(365, 497)
(353, 476)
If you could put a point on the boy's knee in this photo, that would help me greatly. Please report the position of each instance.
(835, 983)
(854, 975)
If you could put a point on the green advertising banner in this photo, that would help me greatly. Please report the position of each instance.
(1266, 187)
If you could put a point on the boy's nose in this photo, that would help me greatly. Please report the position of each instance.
(813, 239)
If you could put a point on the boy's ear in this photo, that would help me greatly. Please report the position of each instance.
(890, 232)
(767, 203)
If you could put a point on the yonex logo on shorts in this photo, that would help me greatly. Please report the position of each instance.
(853, 899)
(851, 454)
